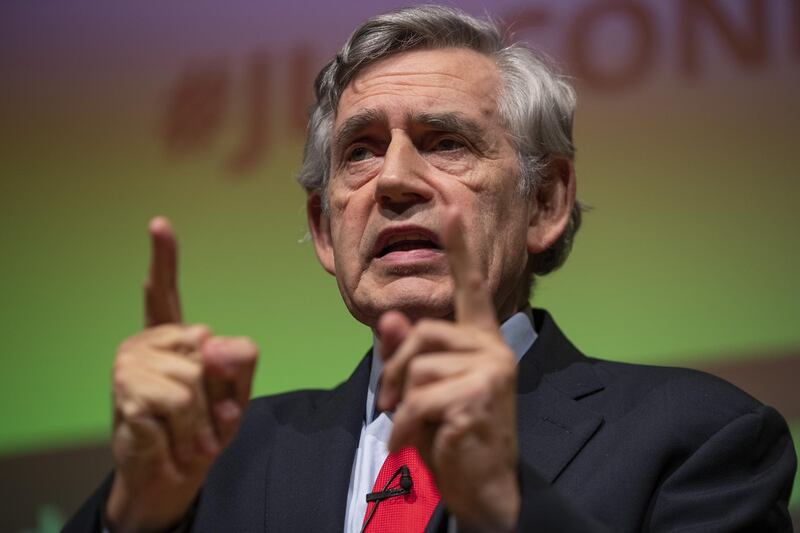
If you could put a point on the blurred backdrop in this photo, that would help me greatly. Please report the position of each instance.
(111, 112)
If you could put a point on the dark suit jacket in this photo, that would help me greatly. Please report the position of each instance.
(603, 447)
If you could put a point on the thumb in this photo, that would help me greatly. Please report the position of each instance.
(393, 327)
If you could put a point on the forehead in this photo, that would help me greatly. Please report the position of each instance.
(405, 84)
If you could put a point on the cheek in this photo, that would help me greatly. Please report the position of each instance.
(348, 222)
(501, 216)
(500, 208)
(358, 174)
(338, 198)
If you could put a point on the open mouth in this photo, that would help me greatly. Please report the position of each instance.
(406, 241)
(407, 245)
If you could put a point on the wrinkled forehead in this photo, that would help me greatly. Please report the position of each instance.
(427, 80)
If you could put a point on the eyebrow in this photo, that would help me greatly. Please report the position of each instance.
(450, 122)
(353, 125)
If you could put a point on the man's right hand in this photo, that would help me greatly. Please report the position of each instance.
(179, 395)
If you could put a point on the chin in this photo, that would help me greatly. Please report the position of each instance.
(415, 298)
(418, 309)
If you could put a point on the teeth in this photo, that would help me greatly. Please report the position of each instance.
(407, 237)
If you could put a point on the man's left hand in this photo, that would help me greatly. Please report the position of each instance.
(453, 388)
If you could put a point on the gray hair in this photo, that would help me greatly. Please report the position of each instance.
(536, 104)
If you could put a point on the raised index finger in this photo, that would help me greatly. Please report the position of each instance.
(162, 305)
(472, 299)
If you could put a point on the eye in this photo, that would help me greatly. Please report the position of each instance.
(360, 153)
(447, 144)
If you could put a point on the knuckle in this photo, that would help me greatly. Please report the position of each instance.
(460, 424)
(492, 381)
(483, 387)
(499, 355)
(132, 343)
(412, 405)
(506, 354)
(194, 373)
(131, 409)
(120, 373)
(182, 399)
(194, 333)
(117, 378)
(120, 361)
(506, 369)
(416, 368)
(126, 345)
(199, 328)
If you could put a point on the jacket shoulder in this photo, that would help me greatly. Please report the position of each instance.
(673, 392)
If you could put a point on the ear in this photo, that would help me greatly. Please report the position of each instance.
(319, 225)
(551, 205)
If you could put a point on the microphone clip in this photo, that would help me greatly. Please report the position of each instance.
(402, 490)
(385, 494)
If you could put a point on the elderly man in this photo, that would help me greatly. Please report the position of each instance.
(439, 173)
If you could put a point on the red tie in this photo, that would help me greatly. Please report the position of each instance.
(408, 513)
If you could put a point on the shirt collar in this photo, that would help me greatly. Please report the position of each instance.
(517, 331)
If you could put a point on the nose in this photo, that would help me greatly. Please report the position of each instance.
(401, 182)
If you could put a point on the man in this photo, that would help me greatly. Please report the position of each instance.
(439, 173)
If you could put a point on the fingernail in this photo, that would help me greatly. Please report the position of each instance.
(228, 411)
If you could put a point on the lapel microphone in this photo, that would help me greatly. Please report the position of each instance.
(405, 486)
(378, 497)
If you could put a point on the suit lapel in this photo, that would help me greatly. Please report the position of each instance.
(312, 457)
(553, 377)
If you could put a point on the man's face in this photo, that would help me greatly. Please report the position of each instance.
(413, 134)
